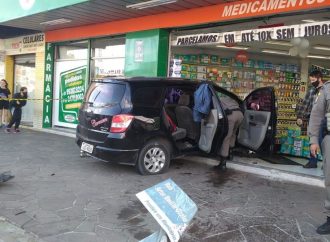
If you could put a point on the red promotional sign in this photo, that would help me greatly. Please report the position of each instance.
(242, 56)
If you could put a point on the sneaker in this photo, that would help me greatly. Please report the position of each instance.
(7, 130)
(16, 131)
(324, 228)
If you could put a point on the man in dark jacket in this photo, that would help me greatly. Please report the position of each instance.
(18, 102)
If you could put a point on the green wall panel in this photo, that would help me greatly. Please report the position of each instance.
(147, 53)
(16, 9)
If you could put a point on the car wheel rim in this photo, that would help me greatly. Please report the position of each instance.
(154, 160)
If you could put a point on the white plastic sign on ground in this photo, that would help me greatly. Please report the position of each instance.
(170, 206)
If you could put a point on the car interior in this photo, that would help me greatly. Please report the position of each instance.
(178, 116)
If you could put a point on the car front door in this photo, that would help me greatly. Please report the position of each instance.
(258, 129)
(221, 129)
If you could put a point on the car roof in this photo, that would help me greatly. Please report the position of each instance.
(163, 80)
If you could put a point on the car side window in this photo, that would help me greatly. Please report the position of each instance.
(149, 97)
(173, 95)
(260, 100)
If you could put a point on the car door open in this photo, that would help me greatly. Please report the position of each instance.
(257, 131)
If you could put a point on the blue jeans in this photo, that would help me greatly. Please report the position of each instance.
(312, 159)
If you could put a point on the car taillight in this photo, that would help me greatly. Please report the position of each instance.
(120, 123)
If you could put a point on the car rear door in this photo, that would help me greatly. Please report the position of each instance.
(102, 102)
(258, 129)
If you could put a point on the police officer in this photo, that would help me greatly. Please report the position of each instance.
(235, 118)
(320, 112)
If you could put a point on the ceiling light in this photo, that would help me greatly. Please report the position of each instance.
(320, 47)
(234, 47)
(278, 52)
(318, 57)
(56, 21)
(309, 20)
(283, 43)
(150, 4)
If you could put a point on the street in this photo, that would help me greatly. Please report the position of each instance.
(59, 196)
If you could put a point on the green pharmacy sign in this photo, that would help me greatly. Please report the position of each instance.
(72, 90)
(13, 9)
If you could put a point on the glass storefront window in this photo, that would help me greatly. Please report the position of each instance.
(72, 51)
(108, 57)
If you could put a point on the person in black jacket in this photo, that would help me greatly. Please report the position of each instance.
(17, 105)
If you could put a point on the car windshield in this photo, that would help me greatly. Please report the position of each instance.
(104, 94)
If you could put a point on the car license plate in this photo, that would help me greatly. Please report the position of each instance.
(87, 147)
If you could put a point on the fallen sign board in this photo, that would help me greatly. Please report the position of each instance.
(170, 206)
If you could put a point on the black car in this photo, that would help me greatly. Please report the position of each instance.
(146, 122)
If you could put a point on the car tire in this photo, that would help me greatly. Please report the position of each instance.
(154, 158)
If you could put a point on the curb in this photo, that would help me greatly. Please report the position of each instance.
(268, 173)
(52, 131)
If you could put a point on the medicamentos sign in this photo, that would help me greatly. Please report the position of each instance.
(72, 89)
(260, 7)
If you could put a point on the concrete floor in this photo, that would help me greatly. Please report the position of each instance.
(58, 196)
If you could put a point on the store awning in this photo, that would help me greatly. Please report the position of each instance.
(91, 12)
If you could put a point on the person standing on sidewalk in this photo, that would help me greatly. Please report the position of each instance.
(17, 104)
(4, 103)
(321, 112)
(304, 110)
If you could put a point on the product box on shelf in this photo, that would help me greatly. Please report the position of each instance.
(204, 59)
(286, 149)
(193, 68)
(185, 74)
(194, 59)
(201, 76)
(214, 59)
(294, 132)
(201, 69)
(225, 62)
(193, 75)
(185, 67)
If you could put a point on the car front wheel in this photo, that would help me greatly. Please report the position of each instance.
(154, 158)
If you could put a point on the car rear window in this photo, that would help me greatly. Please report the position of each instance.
(104, 94)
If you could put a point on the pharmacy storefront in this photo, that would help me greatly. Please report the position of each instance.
(278, 52)
(71, 66)
(23, 61)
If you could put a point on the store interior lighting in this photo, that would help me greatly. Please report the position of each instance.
(277, 52)
(56, 21)
(308, 20)
(318, 57)
(321, 47)
(150, 4)
(282, 43)
(233, 47)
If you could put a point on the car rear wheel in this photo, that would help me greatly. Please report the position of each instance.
(154, 158)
